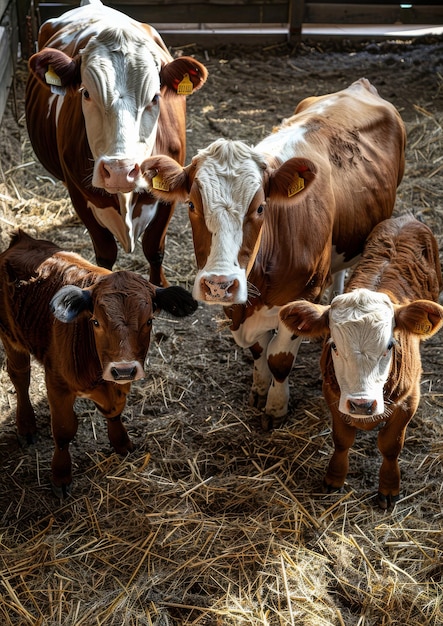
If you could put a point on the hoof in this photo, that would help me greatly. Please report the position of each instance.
(61, 492)
(330, 488)
(257, 401)
(386, 502)
(27, 440)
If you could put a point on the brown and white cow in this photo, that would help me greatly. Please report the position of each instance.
(268, 222)
(103, 94)
(93, 344)
(371, 360)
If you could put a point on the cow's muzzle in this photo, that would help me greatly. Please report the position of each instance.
(123, 372)
(362, 406)
(219, 289)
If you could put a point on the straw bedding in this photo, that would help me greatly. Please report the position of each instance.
(210, 521)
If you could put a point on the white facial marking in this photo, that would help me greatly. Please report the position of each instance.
(361, 326)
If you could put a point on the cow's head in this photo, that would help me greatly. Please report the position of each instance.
(120, 307)
(120, 78)
(363, 328)
(229, 188)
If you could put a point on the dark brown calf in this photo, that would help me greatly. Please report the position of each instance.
(88, 326)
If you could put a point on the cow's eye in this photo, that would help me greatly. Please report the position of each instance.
(334, 347)
(156, 99)
(191, 206)
(389, 348)
(95, 322)
(149, 322)
(260, 209)
(85, 94)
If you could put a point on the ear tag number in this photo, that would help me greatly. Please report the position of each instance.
(185, 86)
(159, 183)
(52, 78)
(297, 185)
(423, 328)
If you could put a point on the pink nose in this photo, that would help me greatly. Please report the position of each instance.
(219, 288)
(118, 174)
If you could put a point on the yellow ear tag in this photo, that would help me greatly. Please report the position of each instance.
(185, 86)
(52, 78)
(159, 183)
(297, 185)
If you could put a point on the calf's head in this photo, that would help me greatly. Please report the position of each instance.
(363, 328)
(120, 307)
(229, 188)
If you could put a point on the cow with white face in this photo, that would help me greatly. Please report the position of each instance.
(271, 222)
(103, 94)
(371, 362)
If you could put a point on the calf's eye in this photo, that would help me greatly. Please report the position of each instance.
(334, 347)
(191, 206)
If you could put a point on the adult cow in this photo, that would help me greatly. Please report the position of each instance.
(103, 94)
(96, 355)
(371, 360)
(269, 222)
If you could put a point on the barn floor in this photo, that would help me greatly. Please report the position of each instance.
(210, 521)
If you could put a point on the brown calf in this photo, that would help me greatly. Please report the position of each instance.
(371, 361)
(93, 344)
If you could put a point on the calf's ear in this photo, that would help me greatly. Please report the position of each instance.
(167, 179)
(305, 318)
(174, 300)
(69, 302)
(183, 75)
(422, 317)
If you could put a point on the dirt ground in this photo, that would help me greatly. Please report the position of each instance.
(211, 521)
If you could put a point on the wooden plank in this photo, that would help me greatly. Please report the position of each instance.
(6, 68)
(371, 13)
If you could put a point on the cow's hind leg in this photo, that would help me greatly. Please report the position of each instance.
(18, 365)
(153, 243)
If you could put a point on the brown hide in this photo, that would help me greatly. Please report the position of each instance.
(57, 131)
(401, 259)
(96, 355)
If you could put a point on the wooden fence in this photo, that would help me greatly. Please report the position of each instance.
(188, 21)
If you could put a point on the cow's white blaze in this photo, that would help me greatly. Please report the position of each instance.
(120, 86)
(229, 176)
(361, 326)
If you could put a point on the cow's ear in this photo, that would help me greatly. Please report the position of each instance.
(56, 69)
(174, 300)
(167, 179)
(289, 182)
(422, 317)
(183, 75)
(69, 302)
(306, 318)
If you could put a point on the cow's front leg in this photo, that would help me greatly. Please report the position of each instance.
(261, 376)
(110, 399)
(343, 436)
(281, 354)
(391, 439)
(18, 365)
(64, 426)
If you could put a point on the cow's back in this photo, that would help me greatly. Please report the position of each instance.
(401, 258)
(359, 139)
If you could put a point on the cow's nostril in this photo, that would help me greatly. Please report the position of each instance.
(362, 407)
(123, 373)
